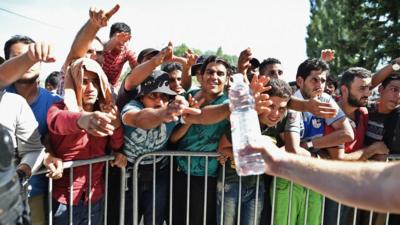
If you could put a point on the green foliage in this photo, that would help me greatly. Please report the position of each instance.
(182, 48)
(363, 33)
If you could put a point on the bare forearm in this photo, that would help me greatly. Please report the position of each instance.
(210, 115)
(12, 69)
(179, 132)
(338, 180)
(82, 41)
(186, 78)
(333, 139)
(139, 74)
(381, 75)
(147, 118)
(110, 44)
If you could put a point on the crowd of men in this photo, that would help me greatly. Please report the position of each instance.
(85, 112)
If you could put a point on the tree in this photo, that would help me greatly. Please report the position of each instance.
(182, 48)
(364, 33)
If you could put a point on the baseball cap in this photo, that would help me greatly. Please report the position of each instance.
(196, 67)
(158, 81)
(146, 52)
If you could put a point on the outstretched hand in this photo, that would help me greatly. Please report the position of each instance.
(328, 55)
(40, 52)
(99, 17)
(258, 86)
(321, 109)
(97, 123)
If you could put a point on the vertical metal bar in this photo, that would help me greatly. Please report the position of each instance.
(273, 200)
(387, 218)
(90, 195)
(323, 210)
(171, 181)
(223, 194)
(122, 197)
(188, 192)
(71, 194)
(355, 216)
(205, 193)
(239, 208)
(106, 194)
(290, 202)
(256, 205)
(154, 190)
(306, 209)
(50, 201)
(371, 214)
(135, 194)
(338, 213)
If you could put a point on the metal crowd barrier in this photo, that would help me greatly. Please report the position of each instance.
(73, 164)
(171, 155)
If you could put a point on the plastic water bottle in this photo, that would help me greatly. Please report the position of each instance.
(245, 128)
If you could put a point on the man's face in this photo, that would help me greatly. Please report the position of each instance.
(273, 71)
(90, 88)
(313, 85)
(31, 75)
(214, 78)
(278, 111)
(390, 95)
(175, 81)
(49, 87)
(95, 51)
(330, 89)
(359, 92)
(155, 100)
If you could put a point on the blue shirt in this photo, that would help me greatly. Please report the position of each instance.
(307, 124)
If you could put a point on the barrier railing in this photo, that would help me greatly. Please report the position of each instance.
(171, 155)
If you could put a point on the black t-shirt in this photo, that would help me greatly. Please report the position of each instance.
(384, 127)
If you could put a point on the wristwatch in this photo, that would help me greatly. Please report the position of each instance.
(395, 65)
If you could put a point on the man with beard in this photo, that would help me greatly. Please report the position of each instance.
(304, 135)
(355, 87)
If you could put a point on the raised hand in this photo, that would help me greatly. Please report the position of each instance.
(40, 52)
(328, 55)
(244, 61)
(122, 37)
(100, 17)
(191, 58)
(258, 87)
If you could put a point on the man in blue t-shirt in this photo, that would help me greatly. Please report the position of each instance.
(304, 135)
(40, 100)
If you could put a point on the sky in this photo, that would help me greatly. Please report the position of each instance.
(270, 28)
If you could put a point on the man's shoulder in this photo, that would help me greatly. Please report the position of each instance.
(49, 95)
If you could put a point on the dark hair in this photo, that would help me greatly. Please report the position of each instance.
(119, 27)
(393, 76)
(215, 59)
(53, 78)
(14, 40)
(350, 74)
(170, 67)
(2, 60)
(279, 88)
(332, 80)
(269, 61)
(305, 68)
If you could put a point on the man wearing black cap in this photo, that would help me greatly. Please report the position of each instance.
(149, 121)
(149, 59)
